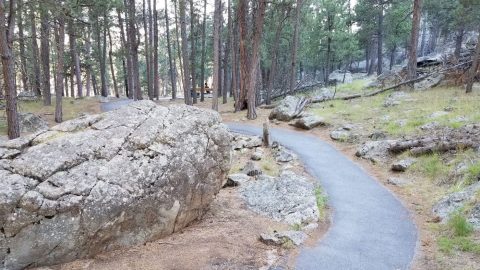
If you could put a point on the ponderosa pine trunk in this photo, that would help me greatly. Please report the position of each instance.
(380, 40)
(133, 50)
(178, 47)
(75, 57)
(241, 102)
(293, 59)
(186, 65)
(112, 68)
(36, 81)
(21, 46)
(60, 49)
(412, 55)
(147, 53)
(202, 75)
(126, 55)
(88, 71)
(226, 56)
(45, 55)
(8, 67)
(216, 53)
(192, 48)
(173, 78)
(273, 57)
(156, 89)
(254, 62)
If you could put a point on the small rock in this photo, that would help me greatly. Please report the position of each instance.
(308, 122)
(237, 179)
(474, 217)
(403, 165)
(397, 181)
(322, 95)
(283, 155)
(257, 155)
(438, 114)
(429, 82)
(377, 135)
(252, 169)
(431, 125)
(280, 238)
(375, 151)
(448, 109)
(342, 135)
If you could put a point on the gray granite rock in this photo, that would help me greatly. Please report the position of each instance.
(105, 182)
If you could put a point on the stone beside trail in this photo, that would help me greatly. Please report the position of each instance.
(108, 181)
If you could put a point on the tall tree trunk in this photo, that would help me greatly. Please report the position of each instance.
(273, 58)
(89, 66)
(424, 36)
(186, 66)
(112, 68)
(241, 102)
(380, 40)
(458, 40)
(102, 51)
(133, 50)
(147, 52)
(75, 57)
(473, 70)
(202, 76)
(21, 45)
(330, 19)
(392, 56)
(412, 55)
(216, 53)
(179, 48)
(172, 72)
(126, 54)
(192, 46)
(226, 56)
(156, 78)
(233, 45)
(60, 44)
(254, 63)
(8, 67)
(36, 84)
(293, 60)
(45, 55)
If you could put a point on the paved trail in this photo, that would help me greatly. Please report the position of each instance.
(370, 229)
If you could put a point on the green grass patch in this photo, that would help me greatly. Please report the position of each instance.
(321, 199)
(473, 174)
(458, 236)
(432, 166)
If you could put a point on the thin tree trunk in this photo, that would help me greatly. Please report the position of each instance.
(172, 72)
(233, 45)
(192, 46)
(89, 66)
(36, 84)
(186, 66)
(202, 76)
(293, 60)
(21, 45)
(112, 69)
(60, 44)
(273, 57)
(459, 40)
(226, 56)
(380, 41)
(126, 53)
(45, 55)
(412, 57)
(8, 67)
(473, 69)
(133, 43)
(329, 47)
(147, 52)
(216, 53)
(155, 52)
(179, 48)
(76, 58)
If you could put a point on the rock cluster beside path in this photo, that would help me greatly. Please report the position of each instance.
(291, 108)
(108, 181)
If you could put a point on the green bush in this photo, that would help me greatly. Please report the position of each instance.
(459, 225)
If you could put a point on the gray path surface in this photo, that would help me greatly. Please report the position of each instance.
(370, 228)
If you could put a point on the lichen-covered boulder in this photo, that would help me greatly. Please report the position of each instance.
(289, 108)
(108, 181)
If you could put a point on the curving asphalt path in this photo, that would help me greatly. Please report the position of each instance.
(370, 228)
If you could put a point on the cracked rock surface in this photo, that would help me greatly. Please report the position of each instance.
(108, 181)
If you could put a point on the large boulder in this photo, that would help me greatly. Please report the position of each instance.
(429, 82)
(105, 182)
(309, 121)
(455, 201)
(289, 108)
